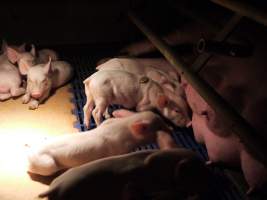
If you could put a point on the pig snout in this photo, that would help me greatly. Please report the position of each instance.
(36, 95)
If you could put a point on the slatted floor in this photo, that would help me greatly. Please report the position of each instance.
(220, 189)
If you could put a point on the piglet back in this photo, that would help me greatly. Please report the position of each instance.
(62, 73)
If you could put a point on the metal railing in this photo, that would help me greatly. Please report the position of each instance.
(239, 126)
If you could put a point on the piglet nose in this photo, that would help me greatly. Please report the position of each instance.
(36, 95)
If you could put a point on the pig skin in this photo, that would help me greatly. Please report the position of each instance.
(29, 59)
(222, 145)
(113, 137)
(241, 82)
(42, 78)
(123, 88)
(44, 54)
(141, 66)
(10, 80)
(153, 171)
(159, 70)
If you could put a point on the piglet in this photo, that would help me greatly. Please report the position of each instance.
(131, 91)
(133, 175)
(113, 137)
(42, 78)
(20, 48)
(141, 66)
(10, 79)
(158, 70)
(29, 59)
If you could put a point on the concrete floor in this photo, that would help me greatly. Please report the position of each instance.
(18, 126)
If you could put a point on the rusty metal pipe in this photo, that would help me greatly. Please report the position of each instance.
(244, 9)
(253, 142)
(223, 48)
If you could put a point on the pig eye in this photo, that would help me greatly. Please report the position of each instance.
(177, 111)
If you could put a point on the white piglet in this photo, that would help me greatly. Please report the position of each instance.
(107, 87)
(42, 78)
(10, 79)
(29, 59)
(158, 70)
(115, 136)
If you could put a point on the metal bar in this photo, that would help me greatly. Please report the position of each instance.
(253, 142)
(221, 36)
(244, 9)
(223, 48)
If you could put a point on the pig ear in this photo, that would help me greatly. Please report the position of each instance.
(163, 101)
(23, 68)
(33, 51)
(140, 128)
(122, 113)
(22, 48)
(12, 54)
(47, 66)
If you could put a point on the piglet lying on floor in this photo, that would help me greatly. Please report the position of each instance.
(29, 59)
(42, 78)
(159, 70)
(177, 173)
(113, 137)
(10, 79)
(107, 87)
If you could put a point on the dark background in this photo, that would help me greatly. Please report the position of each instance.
(89, 22)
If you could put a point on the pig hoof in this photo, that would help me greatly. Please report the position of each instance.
(33, 106)
(25, 99)
(107, 115)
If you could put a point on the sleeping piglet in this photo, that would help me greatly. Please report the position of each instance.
(29, 59)
(113, 137)
(159, 70)
(107, 87)
(42, 78)
(10, 79)
(179, 171)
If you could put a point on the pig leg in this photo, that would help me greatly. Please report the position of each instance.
(254, 172)
(87, 110)
(42, 163)
(106, 114)
(17, 91)
(5, 96)
(33, 104)
(26, 98)
(101, 106)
